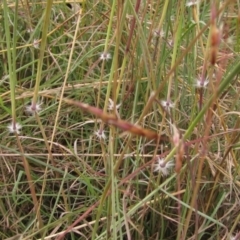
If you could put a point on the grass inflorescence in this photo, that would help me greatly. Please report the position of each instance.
(119, 119)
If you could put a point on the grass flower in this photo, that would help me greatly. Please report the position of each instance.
(36, 43)
(111, 105)
(33, 108)
(170, 43)
(191, 3)
(167, 105)
(29, 30)
(163, 167)
(100, 134)
(158, 33)
(14, 127)
(105, 56)
(201, 83)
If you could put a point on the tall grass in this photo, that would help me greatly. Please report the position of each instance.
(98, 101)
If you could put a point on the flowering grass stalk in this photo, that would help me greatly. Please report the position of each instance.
(42, 51)
(15, 127)
(11, 62)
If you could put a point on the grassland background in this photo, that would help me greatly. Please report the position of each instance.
(76, 171)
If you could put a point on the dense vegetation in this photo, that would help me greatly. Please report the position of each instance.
(119, 119)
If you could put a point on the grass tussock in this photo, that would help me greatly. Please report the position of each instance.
(119, 119)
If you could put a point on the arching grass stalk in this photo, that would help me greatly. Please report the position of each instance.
(113, 206)
(146, 59)
(114, 58)
(34, 105)
(65, 80)
(160, 24)
(118, 38)
(195, 11)
(104, 57)
(163, 15)
(113, 67)
(11, 54)
(61, 99)
(177, 35)
(46, 24)
(105, 53)
(127, 47)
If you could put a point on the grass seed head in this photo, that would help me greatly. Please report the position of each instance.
(14, 127)
(34, 108)
(167, 105)
(100, 134)
(201, 83)
(191, 3)
(163, 167)
(105, 56)
(111, 105)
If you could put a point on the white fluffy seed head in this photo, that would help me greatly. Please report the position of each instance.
(14, 128)
(163, 167)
